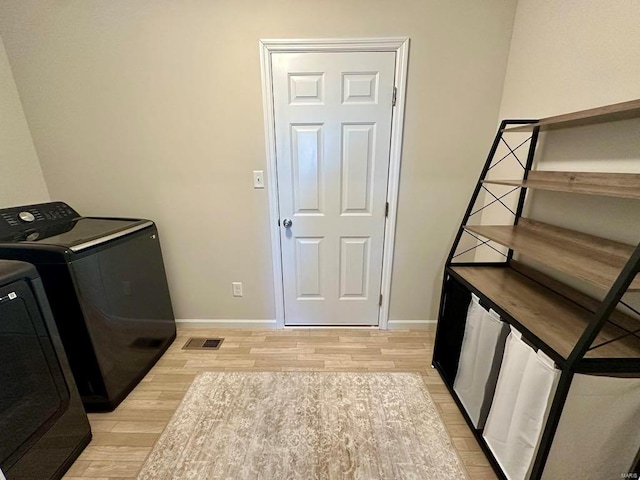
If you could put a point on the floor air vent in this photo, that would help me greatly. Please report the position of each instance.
(203, 344)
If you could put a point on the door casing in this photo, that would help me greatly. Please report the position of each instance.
(399, 45)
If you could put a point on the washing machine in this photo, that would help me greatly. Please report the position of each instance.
(43, 425)
(107, 287)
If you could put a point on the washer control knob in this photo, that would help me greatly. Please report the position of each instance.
(26, 216)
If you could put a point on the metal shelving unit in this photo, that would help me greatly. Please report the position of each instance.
(581, 334)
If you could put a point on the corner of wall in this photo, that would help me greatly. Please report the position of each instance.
(21, 177)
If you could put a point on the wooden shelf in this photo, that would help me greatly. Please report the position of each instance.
(554, 319)
(609, 113)
(617, 317)
(592, 259)
(624, 185)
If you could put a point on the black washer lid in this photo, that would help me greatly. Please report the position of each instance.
(78, 231)
(57, 224)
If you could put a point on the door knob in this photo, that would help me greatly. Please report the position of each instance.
(287, 223)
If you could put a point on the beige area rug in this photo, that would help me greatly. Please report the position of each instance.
(311, 425)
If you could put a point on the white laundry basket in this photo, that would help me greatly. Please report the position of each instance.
(599, 431)
(526, 386)
(480, 358)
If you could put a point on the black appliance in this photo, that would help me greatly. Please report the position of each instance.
(107, 288)
(43, 426)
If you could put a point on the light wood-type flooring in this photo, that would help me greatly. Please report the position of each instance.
(123, 438)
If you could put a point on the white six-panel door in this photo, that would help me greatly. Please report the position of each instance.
(333, 128)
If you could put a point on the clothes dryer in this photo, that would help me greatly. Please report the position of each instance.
(43, 425)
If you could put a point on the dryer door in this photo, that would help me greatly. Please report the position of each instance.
(33, 392)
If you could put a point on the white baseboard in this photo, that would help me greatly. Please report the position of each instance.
(271, 324)
(413, 324)
(223, 323)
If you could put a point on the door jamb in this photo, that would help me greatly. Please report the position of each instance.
(399, 45)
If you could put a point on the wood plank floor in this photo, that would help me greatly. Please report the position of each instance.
(123, 438)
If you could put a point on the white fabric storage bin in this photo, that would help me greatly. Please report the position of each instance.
(525, 389)
(599, 431)
(480, 357)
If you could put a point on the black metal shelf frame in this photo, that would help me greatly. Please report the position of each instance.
(576, 362)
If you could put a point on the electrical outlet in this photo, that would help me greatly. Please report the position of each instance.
(237, 289)
(258, 179)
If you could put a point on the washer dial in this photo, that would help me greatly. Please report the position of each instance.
(26, 217)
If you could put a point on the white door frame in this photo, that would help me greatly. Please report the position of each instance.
(399, 45)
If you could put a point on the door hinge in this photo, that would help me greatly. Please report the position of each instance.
(386, 210)
(393, 98)
(380, 301)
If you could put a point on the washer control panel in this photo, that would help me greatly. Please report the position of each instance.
(18, 219)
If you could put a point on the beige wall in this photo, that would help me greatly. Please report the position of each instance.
(572, 55)
(21, 180)
(153, 108)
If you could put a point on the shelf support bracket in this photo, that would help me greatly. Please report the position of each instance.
(487, 166)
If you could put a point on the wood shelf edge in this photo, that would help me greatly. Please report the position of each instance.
(511, 290)
(605, 113)
(592, 259)
(622, 185)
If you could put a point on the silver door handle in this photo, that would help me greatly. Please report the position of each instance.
(287, 223)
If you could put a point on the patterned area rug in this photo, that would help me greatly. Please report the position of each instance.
(313, 425)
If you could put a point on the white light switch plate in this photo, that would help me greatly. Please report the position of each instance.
(258, 179)
(237, 289)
